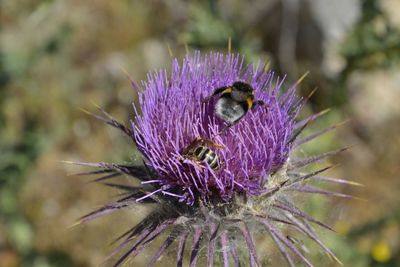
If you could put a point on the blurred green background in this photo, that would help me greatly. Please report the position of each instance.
(59, 56)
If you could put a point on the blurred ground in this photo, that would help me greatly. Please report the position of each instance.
(59, 56)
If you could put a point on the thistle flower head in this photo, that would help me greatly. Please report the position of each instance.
(252, 188)
(173, 115)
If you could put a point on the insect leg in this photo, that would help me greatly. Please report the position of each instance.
(257, 103)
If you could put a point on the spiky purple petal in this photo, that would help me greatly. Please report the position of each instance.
(311, 234)
(274, 231)
(197, 236)
(296, 164)
(181, 248)
(282, 249)
(250, 243)
(317, 134)
(225, 248)
(234, 253)
(297, 212)
(211, 244)
(171, 237)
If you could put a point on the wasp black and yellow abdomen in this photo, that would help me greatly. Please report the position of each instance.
(199, 151)
(206, 155)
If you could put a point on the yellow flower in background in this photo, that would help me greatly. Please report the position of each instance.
(381, 251)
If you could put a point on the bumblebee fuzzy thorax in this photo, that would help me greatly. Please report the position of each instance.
(240, 96)
(242, 91)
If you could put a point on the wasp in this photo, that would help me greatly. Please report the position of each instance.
(234, 101)
(199, 151)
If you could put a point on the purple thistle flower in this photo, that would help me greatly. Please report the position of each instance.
(220, 208)
(173, 115)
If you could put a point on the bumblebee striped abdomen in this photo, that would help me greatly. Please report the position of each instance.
(206, 155)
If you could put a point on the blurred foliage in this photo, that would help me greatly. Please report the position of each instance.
(207, 29)
(373, 43)
(58, 56)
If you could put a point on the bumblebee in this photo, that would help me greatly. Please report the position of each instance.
(234, 101)
(198, 151)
